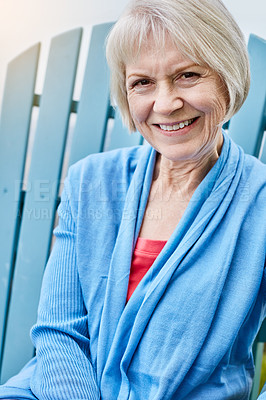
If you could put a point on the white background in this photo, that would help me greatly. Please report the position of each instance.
(25, 22)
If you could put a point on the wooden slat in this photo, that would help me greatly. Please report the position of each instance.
(40, 199)
(14, 129)
(94, 105)
(247, 126)
(120, 136)
(263, 150)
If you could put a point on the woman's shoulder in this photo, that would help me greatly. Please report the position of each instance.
(108, 160)
(113, 162)
(96, 175)
(254, 170)
(253, 184)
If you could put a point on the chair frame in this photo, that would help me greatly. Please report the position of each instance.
(28, 213)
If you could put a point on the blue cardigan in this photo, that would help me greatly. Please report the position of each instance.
(187, 331)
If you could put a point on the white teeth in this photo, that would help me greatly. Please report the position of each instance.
(177, 126)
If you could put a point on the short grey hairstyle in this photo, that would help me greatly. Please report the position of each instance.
(202, 30)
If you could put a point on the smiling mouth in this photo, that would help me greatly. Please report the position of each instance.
(178, 126)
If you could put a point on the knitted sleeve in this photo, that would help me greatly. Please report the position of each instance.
(64, 370)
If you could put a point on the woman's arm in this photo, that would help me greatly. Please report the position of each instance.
(64, 370)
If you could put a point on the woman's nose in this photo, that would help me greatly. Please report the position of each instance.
(167, 101)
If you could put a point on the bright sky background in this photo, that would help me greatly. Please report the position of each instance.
(25, 22)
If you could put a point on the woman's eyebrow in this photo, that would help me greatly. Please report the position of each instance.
(137, 75)
(145, 73)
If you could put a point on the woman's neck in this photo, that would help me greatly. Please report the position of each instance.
(172, 187)
(186, 174)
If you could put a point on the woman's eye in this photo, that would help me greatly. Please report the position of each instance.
(188, 75)
(141, 85)
(141, 82)
(188, 79)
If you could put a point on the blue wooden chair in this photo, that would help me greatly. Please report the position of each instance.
(27, 213)
(30, 184)
(247, 128)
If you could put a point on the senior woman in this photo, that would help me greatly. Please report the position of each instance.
(160, 297)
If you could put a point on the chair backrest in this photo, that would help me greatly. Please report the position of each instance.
(27, 211)
(247, 127)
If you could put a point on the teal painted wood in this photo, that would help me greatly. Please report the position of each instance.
(94, 105)
(120, 136)
(247, 126)
(40, 199)
(14, 128)
(263, 152)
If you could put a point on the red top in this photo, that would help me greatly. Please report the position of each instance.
(145, 253)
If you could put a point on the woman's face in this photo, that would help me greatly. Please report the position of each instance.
(175, 104)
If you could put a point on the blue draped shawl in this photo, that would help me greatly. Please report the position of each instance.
(187, 331)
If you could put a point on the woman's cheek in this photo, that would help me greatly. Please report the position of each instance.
(215, 106)
(138, 110)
